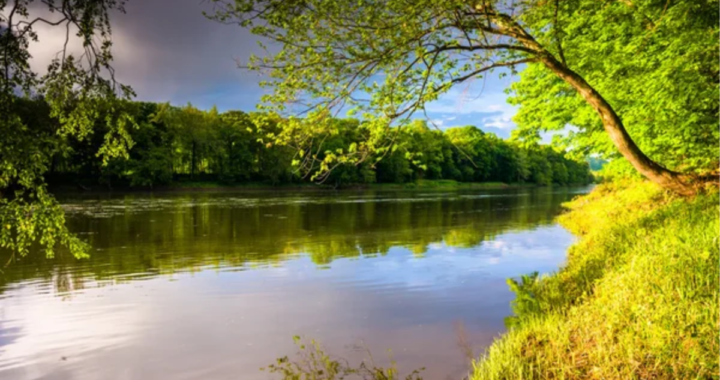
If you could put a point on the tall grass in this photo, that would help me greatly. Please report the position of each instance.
(637, 299)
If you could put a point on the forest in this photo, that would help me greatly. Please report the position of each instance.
(344, 98)
(188, 144)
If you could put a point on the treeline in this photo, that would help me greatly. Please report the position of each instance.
(187, 144)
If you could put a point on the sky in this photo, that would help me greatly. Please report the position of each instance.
(168, 51)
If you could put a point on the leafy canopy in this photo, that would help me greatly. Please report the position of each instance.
(77, 87)
(380, 60)
(655, 61)
(385, 60)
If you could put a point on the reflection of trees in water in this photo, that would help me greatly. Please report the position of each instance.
(181, 238)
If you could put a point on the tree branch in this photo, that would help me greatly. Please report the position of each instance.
(483, 47)
(557, 34)
(490, 67)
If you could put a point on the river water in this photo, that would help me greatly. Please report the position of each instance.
(215, 285)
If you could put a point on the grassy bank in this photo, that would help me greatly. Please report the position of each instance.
(637, 299)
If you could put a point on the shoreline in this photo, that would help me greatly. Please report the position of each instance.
(618, 308)
(200, 186)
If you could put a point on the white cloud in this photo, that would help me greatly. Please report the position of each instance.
(486, 109)
(50, 328)
(500, 122)
(460, 103)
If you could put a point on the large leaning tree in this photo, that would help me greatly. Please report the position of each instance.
(655, 62)
(77, 85)
(387, 59)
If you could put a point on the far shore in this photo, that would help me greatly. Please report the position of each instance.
(210, 186)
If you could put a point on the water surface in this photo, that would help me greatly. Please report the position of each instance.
(214, 285)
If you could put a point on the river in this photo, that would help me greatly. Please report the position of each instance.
(214, 285)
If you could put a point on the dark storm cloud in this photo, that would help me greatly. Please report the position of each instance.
(168, 51)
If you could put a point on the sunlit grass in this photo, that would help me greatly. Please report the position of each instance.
(638, 297)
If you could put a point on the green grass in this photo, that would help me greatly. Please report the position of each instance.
(637, 299)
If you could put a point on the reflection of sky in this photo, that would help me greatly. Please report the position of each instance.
(227, 322)
(441, 267)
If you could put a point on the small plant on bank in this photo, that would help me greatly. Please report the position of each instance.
(313, 363)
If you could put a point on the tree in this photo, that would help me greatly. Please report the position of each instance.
(388, 59)
(659, 70)
(150, 159)
(426, 147)
(474, 158)
(234, 159)
(193, 130)
(77, 88)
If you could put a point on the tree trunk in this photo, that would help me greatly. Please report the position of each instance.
(653, 171)
(192, 162)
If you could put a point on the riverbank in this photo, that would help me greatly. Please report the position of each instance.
(420, 184)
(192, 186)
(638, 297)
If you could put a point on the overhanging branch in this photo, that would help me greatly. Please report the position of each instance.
(490, 67)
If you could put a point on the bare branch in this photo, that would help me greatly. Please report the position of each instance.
(484, 47)
(490, 67)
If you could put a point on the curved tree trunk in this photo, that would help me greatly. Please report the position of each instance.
(653, 171)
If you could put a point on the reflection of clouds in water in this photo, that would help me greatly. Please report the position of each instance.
(244, 320)
(209, 325)
(8, 335)
(46, 331)
(493, 260)
(499, 245)
(435, 246)
(444, 267)
(216, 318)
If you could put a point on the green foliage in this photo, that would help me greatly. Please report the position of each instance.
(596, 163)
(387, 59)
(185, 143)
(526, 303)
(313, 363)
(41, 114)
(383, 64)
(36, 217)
(655, 62)
(638, 297)
(235, 146)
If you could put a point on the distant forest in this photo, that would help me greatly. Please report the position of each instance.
(171, 144)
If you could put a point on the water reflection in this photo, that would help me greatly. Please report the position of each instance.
(392, 269)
